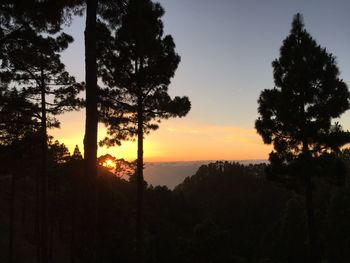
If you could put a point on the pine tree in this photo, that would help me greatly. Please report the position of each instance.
(136, 63)
(16, 119)
(33, 66)
(23, 25)
(76, 154)
(296, 115)
(86, 250)
(16, 124)
(96, 10)
(20, 16)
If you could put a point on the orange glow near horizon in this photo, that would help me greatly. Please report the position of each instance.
(109, 164)
(177, 140)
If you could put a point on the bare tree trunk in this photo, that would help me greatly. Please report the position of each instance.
(74, 207)
(12, 215)
(312, 234)
(139, 184)
(90, 140)
(44, 225)
(52, 217)
(314, 257)
(24, 203)
(37, 216)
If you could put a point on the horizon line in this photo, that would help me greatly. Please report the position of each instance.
(211, 160)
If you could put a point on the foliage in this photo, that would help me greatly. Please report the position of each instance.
(226, 212)
(296, 117)
(77, 154)
(308, 94)
(16, 119)
(136, 63)
(34, 67)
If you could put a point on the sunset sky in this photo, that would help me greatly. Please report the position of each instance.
(226, 49)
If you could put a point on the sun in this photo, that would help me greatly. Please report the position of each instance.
(109, 163)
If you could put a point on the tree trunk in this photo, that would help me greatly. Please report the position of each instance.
(88, 232)
(52, 217)
(76, 197)
(43, 232)
(312, 234)
(37, 216)
(90, 139)
(12, 212)
(139, 183)
(311, 221)
(24, 203)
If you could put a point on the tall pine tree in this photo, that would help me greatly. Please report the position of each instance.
(33, 66)
(23, 25)
(296, 115)
(96, 10)
(136, 63)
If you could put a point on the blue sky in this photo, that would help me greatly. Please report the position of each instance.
(226, 47)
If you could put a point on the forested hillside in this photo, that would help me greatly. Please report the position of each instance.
(226, 212)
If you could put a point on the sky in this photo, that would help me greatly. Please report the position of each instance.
(226, 49)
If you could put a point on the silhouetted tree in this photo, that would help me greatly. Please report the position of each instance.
(16, 116)
(121, 168)
(88, 228)
(136, 63)
(337, 230)
(76, 154)
(33, 66)
(58, 153)
(58, 158)
(107, 161)
(125, 169)
(295, 116)
(95, 10)
(19, 17)
(233, 206)
(16, 122)
(90, 139)
(23, 20)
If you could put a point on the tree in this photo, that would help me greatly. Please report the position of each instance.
(22, 24)
(77, 154)
(16, 123)
(121, 168)
(95, 10)
(296, 115)
(33, 66)
(107, 161)
(58, 153)
(103, 9)
(20, 16)
(16, 119)
(136, 63)
(87, 233)
(124, 169)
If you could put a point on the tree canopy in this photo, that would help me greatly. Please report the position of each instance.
(136, 63)
(296, 117)
(307, 96)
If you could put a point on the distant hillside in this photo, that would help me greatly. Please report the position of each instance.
(171, 174)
